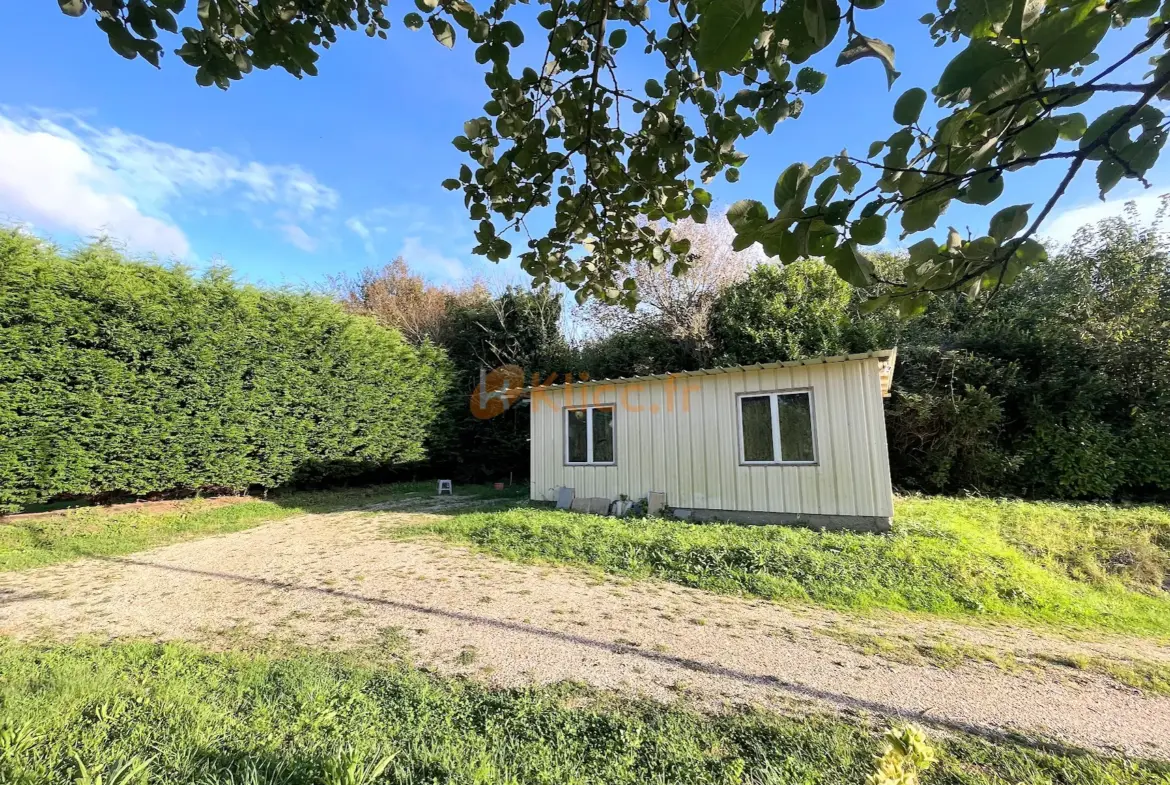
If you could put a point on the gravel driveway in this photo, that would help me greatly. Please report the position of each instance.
(331, 580)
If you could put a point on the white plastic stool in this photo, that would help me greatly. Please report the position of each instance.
(445, 485)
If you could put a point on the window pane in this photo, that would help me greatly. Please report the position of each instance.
(796, 431)
(757, 428)
(578, 443)
(603, 435)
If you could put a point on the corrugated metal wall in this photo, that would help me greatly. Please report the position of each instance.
(680, 436)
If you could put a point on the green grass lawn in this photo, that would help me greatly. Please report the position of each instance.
(175, 714)
(100, 531)
(1094, 567)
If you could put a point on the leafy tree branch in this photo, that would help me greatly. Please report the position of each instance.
(554, 140)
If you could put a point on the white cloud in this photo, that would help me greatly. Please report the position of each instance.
(52, 182)
(62, 174)
(431, 263)
(299, 237)
(1064, 226)
(356, 226)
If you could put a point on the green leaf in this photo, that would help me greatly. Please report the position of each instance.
(617, 39)
(821, 166)
(1008, 222)
(791, 188)
(983, 188)
(1030, 251)
(920, 214)
(869, 231)
(810, 80)
(1064, 39)
(875, 148)
(913, 306)
(922, 250)
(816, 22)
(746, 214)
(1147, 117)
(653, 89)
(825, 190)
(873, 304)
(1023, 14)
(413, 21)
(980, 18)
(443, 32)
(451, 184)
(1109, 174)
(850, 174)
(861, 47)
(910, 183)
(909, 106)
(511, 33)
(851, 265)
(1038, 138)
(791, 24)
(980, 71)
(726, 32)
(72, 7)
(1070, 126)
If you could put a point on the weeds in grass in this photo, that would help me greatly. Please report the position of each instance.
(907, 753)
(1068, 565)
(1151, 677)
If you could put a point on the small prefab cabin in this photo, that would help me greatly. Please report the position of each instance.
(791, 442)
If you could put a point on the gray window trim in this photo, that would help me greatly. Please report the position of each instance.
(772, 395)
(589, 434)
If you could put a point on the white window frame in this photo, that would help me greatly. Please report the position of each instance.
(772, 395)
(589, 434)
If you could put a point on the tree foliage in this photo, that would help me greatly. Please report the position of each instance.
(481, 334)
(556, 137)
(1058, 386)
(127, 377)
(405, 301)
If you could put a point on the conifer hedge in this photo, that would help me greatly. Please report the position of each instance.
(121, 376)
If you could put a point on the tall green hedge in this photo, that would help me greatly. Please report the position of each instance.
(123, 376)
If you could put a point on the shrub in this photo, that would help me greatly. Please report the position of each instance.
(120, 376)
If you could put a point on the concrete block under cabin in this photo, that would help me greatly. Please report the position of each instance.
(594, 505)
(800, 442)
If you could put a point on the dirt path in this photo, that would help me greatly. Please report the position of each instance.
(331, 580)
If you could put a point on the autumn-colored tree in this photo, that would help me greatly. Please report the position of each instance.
(678, 307)
(404, 300)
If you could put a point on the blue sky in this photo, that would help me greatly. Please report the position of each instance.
(290, 180)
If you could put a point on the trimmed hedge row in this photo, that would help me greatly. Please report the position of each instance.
(119, 376)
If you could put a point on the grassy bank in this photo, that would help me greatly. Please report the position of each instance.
(37, 540)
(179, 715)
(1087, 566)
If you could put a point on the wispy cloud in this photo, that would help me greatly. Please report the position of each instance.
(431, 263)
(299, 237)
(358, 227)
(60, 173)
(1064, 226)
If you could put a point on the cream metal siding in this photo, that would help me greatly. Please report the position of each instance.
(680, 435)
